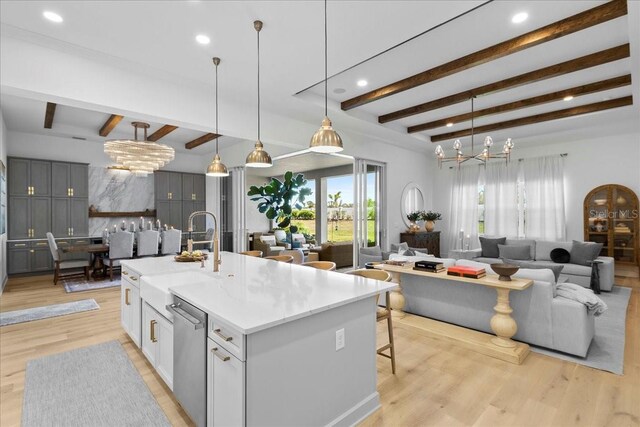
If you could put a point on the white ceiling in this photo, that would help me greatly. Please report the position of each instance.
(157, 37)
(303, 162)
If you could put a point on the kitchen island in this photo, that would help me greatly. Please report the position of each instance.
(284, 344)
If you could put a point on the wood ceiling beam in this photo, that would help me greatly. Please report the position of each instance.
(110, 124)
(48, 115)
(201, 140)
(573, 65)
(538, 118)
(529, 102)
(597, 15)
(163, 131)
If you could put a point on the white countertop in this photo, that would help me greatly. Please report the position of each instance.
(252, 294)
(159, 265)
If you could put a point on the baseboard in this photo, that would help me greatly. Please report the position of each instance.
(359, 412)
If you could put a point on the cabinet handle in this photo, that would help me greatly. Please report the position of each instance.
(126, 296)
(63, 243)
(72, 227)
(19, 245)
(134, 278)
(152, 327)
(72, 192)
(41, 244)
(32, 251)
(220, 356)
(125, 273)
(33, 190)
(221, 335)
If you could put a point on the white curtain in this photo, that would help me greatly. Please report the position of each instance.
(501, 199)
(544, 191)
(238, 217)
(464, 206)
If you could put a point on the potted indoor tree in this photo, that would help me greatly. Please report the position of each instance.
(430, 219)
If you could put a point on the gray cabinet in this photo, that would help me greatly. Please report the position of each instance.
(169, 212)
(29, 177)
(29, 217)
(168, 185)
(40, 217)
(28, 256)
(193, 187)
(177, 196)
(69, 180)
(188, 207)
(69, 217)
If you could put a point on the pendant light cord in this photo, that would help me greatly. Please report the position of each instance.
(325, 59)
(217, 137)
(258, 85)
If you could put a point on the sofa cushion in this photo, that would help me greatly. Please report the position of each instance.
(269, 240)
(560, 256)
(544, 248)
(583, 253)
(524, 242)
(487, 260)
(371, 251)
(556, 268)
(413, 251)
(568, 269)
(519, 252)
(490, 246)
(298, 237)
(399, 248)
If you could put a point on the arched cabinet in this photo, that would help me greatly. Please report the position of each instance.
(611, 218)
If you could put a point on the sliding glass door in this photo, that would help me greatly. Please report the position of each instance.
(370, 227)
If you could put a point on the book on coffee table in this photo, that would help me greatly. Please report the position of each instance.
(469, 272)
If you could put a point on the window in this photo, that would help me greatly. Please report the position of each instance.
(305, 218)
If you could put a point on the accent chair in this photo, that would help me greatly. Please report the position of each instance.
(67, 261)
(171, 241)
(147, 243)
(120, 247)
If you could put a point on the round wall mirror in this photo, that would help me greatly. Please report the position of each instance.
(412, 200)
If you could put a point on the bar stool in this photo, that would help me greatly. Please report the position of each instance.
(321, 265)
(257, 254)
(281, 258)
(382, 313)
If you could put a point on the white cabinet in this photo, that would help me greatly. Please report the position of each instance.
(157, 342)
(130, 310)
(225, 387)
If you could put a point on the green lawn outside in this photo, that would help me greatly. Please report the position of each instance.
(343, 233)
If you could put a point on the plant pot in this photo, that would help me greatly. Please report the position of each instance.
(413, 227)
(429, 225)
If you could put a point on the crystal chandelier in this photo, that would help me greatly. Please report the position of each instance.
(483, 157)
(141, 157)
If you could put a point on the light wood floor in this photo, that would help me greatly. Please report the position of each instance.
(437, 383)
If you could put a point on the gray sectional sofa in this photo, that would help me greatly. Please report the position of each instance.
(543, 319)
(573, 273)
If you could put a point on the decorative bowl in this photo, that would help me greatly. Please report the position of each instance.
(505, 271)
(191, 258)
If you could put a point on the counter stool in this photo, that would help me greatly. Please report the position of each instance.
(281, 258)
(257, 254)
(321, 265)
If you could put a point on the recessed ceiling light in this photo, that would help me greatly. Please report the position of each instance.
(519, 17)
(362, 83)
(339, 90)
(52, 16)
(202, 39)
(449, 124)
(568, 98)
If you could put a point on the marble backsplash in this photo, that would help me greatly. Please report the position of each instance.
(117, 191)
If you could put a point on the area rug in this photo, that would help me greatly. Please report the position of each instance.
(80, 284)
(90, 386)
(47, 311)
(607, 348)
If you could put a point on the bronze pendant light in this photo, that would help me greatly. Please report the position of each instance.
(258, 158)
(326, 140)
(216, 167)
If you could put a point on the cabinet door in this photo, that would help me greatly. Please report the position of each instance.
(79, 180)
(41, 259)
(199, 222)
(79, 217)
(40, 174)
(18, 261)
(148, 329)
(225, 394)
(161, 185)
(135, 319)
(175, 185)
(18, 175)
(60, 179)
(40, 217)
(175, 213)
(60, 217)
(187, 186)
(164, 354)
(199, 187)
(163, 212)
(19, 217)
(126, 307)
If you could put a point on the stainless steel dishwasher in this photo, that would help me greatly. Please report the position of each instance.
(190, 359)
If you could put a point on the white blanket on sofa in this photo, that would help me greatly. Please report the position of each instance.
(582, 295)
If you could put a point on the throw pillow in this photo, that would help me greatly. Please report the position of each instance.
(490, 246)
(560, 256)
(399, 248)
(557, 269)
(408, 252)
(514, 252)
(583, 253)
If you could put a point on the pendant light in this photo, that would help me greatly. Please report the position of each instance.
(216, 167)
(258, 158)
(326, 140)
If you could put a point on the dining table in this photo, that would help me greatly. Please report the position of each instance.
(94, 250)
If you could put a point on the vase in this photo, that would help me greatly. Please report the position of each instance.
(413, 227)
(429, 225)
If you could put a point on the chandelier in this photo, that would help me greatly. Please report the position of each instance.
(141, 157)
(483, 157)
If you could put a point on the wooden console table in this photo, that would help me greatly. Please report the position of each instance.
(503, 325)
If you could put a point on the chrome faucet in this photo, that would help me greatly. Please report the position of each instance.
(214, 241)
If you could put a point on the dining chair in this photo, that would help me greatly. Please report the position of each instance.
(321, 265)
(382, 313)
(67, 261)
(298, 256)
(281, 258)
(120, 247)
(147, 243)
(257, 254)
(171, 241)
